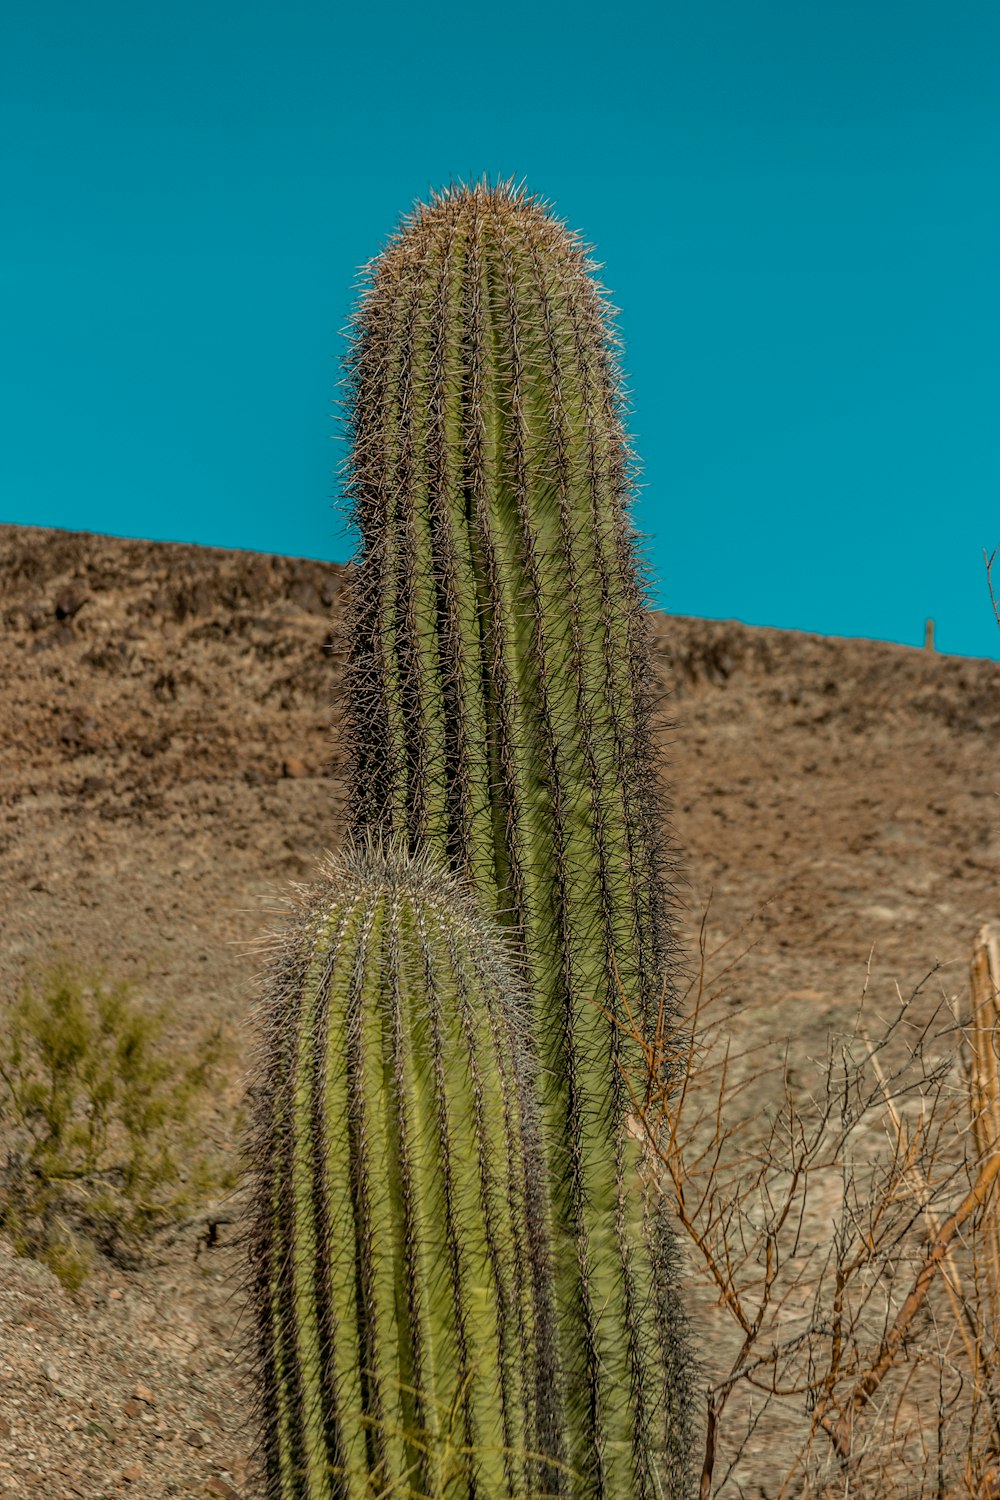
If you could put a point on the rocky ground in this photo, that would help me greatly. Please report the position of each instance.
(169, 762)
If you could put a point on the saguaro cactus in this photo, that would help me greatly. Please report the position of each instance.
(402, 1340)
(499, 693)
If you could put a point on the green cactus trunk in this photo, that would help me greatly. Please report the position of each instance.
(403, 1338)
(499, 700)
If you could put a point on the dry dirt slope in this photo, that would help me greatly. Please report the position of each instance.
(168, 760)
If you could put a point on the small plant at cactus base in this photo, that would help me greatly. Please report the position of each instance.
(100, 1121)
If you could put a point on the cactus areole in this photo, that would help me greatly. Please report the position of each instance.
(498, 706)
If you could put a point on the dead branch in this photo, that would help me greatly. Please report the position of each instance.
(840, 1430)
(989, 582)
(820, 1324)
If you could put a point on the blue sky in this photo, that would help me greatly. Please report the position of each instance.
(796, 206)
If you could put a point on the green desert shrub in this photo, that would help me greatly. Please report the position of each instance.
(101, 1120)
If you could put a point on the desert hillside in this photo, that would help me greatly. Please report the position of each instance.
(169, 761)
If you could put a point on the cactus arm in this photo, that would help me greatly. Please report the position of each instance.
(401, 1278)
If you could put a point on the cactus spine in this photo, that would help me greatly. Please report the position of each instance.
(499, 693)
(399, 1266)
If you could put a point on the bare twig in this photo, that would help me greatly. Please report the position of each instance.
(989, 560)
(811, 1290)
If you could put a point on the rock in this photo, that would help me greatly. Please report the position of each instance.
(217, 1486)
(294, 767)
(69, 602)
(34, 1312)
(143, 1393)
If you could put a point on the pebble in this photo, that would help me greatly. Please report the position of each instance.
(54, 1376)
(217, 1486)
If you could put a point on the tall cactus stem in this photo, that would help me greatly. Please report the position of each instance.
(499, 703)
